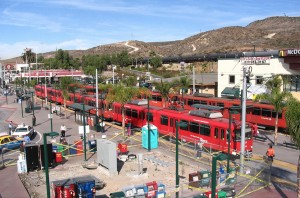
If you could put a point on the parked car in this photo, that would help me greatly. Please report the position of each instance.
(23, 130)
(9, 142)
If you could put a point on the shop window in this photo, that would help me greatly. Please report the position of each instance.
(231, 79)
(259, 80)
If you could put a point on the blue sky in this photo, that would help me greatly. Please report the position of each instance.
(47, 25)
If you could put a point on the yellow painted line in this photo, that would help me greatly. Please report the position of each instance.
(252, 180)
(251, 191)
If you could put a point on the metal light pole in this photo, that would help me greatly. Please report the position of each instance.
(194, 81)
(51, 116)
(149, 134)
(84, 132)
(51, 134)
(228, 140)
(243, 120)
(114, 67)
(33, 104)
(46, 100)
(97, 104)
(22, 106)
(177, 165)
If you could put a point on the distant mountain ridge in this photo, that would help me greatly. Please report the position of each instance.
(267, 34)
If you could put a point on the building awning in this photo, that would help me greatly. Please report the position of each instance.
(230, 92)
(79, 107)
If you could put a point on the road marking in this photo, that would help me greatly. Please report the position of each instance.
(39, 135)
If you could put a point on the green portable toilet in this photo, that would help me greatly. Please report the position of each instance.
(153, 136)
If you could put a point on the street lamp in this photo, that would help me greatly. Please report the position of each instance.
(114, 67)
(181, 124)
(50, 134)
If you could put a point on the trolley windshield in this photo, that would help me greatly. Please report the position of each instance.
(238, 132)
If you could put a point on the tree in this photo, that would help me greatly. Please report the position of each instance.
(66, 87)
(292, 120)
(129, 81)
(122, 95)
(164, 88)
(276, 98)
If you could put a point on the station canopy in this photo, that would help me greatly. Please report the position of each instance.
(230, 92)
(79, 107)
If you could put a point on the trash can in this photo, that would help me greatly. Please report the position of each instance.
(27, 110)
(33, 120)
(93, 145)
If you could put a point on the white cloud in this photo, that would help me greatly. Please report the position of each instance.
(17, 49)
(27, 19)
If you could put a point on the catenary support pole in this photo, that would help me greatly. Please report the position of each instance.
(243, 120)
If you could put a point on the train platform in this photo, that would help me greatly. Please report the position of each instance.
(44, 125)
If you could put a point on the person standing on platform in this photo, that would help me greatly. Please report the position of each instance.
(63, 130)
(10, 127)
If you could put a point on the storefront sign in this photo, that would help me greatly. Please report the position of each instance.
(293, 52)
(255, 60)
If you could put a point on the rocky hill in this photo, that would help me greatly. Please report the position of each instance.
(267, 34)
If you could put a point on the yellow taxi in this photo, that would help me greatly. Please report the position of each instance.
(9, 142)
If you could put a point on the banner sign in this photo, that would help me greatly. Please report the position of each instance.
(255, 60)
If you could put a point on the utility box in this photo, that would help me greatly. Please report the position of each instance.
(153, 136)
(204, 177)
(107, 155)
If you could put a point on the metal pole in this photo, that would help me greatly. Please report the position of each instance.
(97, 99)
(84, 132)
(243, 120)
(36, 68)
(177, 175)
(32, 103)
(228, 140)
(113, 74)
(22, 107)
(6, 93)
(46, 100)
(46, 165)
(51, 117)
(194, 80)
(149, 134)
(213, 175)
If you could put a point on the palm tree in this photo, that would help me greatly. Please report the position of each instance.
(122, 95)
(66, 88)
(276, 98)
(183, 83)
(164, 88)
(292, 120)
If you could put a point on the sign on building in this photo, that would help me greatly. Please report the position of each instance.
(255, 60)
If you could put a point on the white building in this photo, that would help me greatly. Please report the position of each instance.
(230, 74)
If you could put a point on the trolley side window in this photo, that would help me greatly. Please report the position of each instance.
(164, 120)
(184, 125)
(216, 133)
(266, 112)
(150, 115)
(190, 102)
(194, 127)
(220, 104)
(222, 134)
(256, 111)
(205, 129)
(274, 115)
(134, 113)
(142, 115)
(128, 112)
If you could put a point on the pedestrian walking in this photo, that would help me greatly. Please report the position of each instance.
(270, 153)
(10, 127)
(63, 130)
